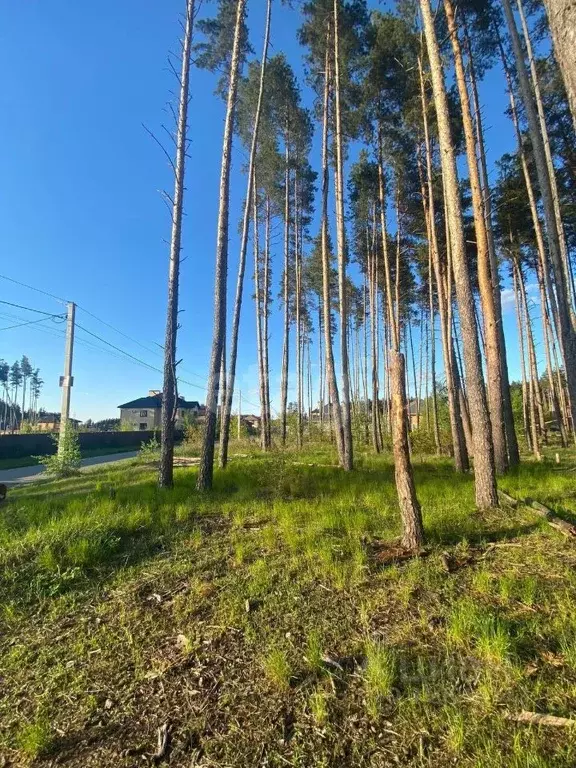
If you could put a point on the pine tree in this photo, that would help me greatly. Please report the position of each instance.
(217, 53)
(170, 387)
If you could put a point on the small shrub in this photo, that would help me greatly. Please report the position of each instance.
(150, 450)
(68, 459)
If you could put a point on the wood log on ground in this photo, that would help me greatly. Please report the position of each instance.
(535, 718)
(563, 526)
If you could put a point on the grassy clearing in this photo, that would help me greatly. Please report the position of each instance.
(261, 624)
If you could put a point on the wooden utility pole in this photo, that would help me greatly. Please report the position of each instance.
(67, 380)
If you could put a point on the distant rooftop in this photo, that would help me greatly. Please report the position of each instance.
(154, 400)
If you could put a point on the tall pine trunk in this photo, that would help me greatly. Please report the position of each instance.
(491, 328)
(461, 460)
(227, 412)
(206, 469)
(567, 334)
(341, 249)
(509, 427)
(333, 394)
(562, 21)
(484, 469)
(170, 388)
(547, 153)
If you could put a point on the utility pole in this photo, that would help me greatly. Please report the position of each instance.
(239, 411)
(67, 380)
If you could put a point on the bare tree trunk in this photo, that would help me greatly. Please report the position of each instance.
(525, 324)
(525, 395)
(461, 461)
(491, 327)
(562, 21)
(437, 440)
(548, 154)
(335, 412)
(286, 294)
(298, 291)
(412, 528)
(206, 469)
(258, 295)
(265, 316)
(411, 514)
(565, 316)
(510, 430)
(341, 248)
(225, 431)
(533, 365)
(546, 332)
(484, 469)
(170, 386)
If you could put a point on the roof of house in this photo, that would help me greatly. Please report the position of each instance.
(155, 401)
(53, 418)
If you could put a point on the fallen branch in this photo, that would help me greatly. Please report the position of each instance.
(535, 718)
(556, 522)
(510, 500)
(566, 528)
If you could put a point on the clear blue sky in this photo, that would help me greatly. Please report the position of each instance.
(80, 212)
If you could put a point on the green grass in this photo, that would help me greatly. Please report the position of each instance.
(260, 621)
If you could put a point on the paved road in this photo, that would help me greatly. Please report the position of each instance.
(30, 474)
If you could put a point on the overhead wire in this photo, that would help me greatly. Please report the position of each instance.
(87, 344)
(31, 287)
(29, 322)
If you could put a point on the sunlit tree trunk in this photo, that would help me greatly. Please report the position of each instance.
(170, 387)
(229, 394)
(461, 461)
(567, 332)
(484, 469)
(348, 459)
(206, 468)
(333, 395)
(562, 21)
(547, 152)
(491, 327)
(510, 430)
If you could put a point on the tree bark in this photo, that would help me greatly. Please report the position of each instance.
(206, 468)
(491, 329)
(562, 21)
(484, 469)
(170, 388)
(333, 395)
(461, 461)
(225, 431)
(411, 514)
(509, 428)
(341, 248)
(548, 154)
(567, 332)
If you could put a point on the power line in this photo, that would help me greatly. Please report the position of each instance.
(31, 287)
(133, 357)
(30, 309)
(117, 330)
(29, 322)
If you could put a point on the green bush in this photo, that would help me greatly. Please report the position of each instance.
(68, 459)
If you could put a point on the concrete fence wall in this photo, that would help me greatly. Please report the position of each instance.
(40, 444)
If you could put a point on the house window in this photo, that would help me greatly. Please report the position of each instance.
(143, 425)
(143, 414)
